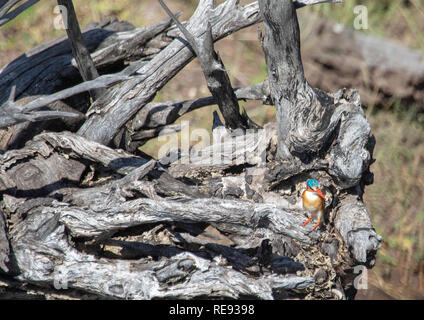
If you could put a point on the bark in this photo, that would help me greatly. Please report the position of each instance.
(4, 245)
(114, 43)
(303, 115)
(11, 113)
(311, 122)
(80, 52)
(51, 65)
(225, 221)
(44, 225)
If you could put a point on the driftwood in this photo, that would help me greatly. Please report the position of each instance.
(225, 221)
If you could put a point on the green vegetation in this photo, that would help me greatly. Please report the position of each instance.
(396, 19)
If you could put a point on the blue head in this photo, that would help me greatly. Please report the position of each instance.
(312, 183)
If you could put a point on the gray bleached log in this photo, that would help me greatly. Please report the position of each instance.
(303, 113)
(42, 251)
(11, 114)
(353, 223)
(41, 167)
(124, 102)
(103, 210)
(97, 214)
(85, 64)
(109, 42)
(4, 245)
(90, 205)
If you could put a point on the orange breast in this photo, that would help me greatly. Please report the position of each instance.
(312, 201)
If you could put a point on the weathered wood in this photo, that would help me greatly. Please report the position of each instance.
(11, 114)
(41, 242)
(221, 156)
(105, 209)
(302, 3)
(217, 78)
(155, 116)
(225, 221)
(15, 136)
(114, 44)
(303, 114)
(124, 164)
(31, 248)
(100, 82)
(226, 151)
(4, 245)
(354, 224)
(55, 66)
(88, 213)
(311, 121)
(122, 103)
(52, 58)
(41, 239)
(85, 64)
(237, 217)
(131, 45)
(113, 48)
(56, 173)
(6, 5)
(144, 135)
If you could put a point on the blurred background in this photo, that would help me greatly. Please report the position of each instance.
(382, 56)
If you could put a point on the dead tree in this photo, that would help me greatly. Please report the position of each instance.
(83, 209)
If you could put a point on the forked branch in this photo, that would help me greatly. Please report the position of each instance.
(217, 78)
(80, 52)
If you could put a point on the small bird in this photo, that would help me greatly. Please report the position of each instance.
(313, 202)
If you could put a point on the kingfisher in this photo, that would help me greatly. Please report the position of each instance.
(313, 202)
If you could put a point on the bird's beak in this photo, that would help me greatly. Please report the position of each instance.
(320, 193)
